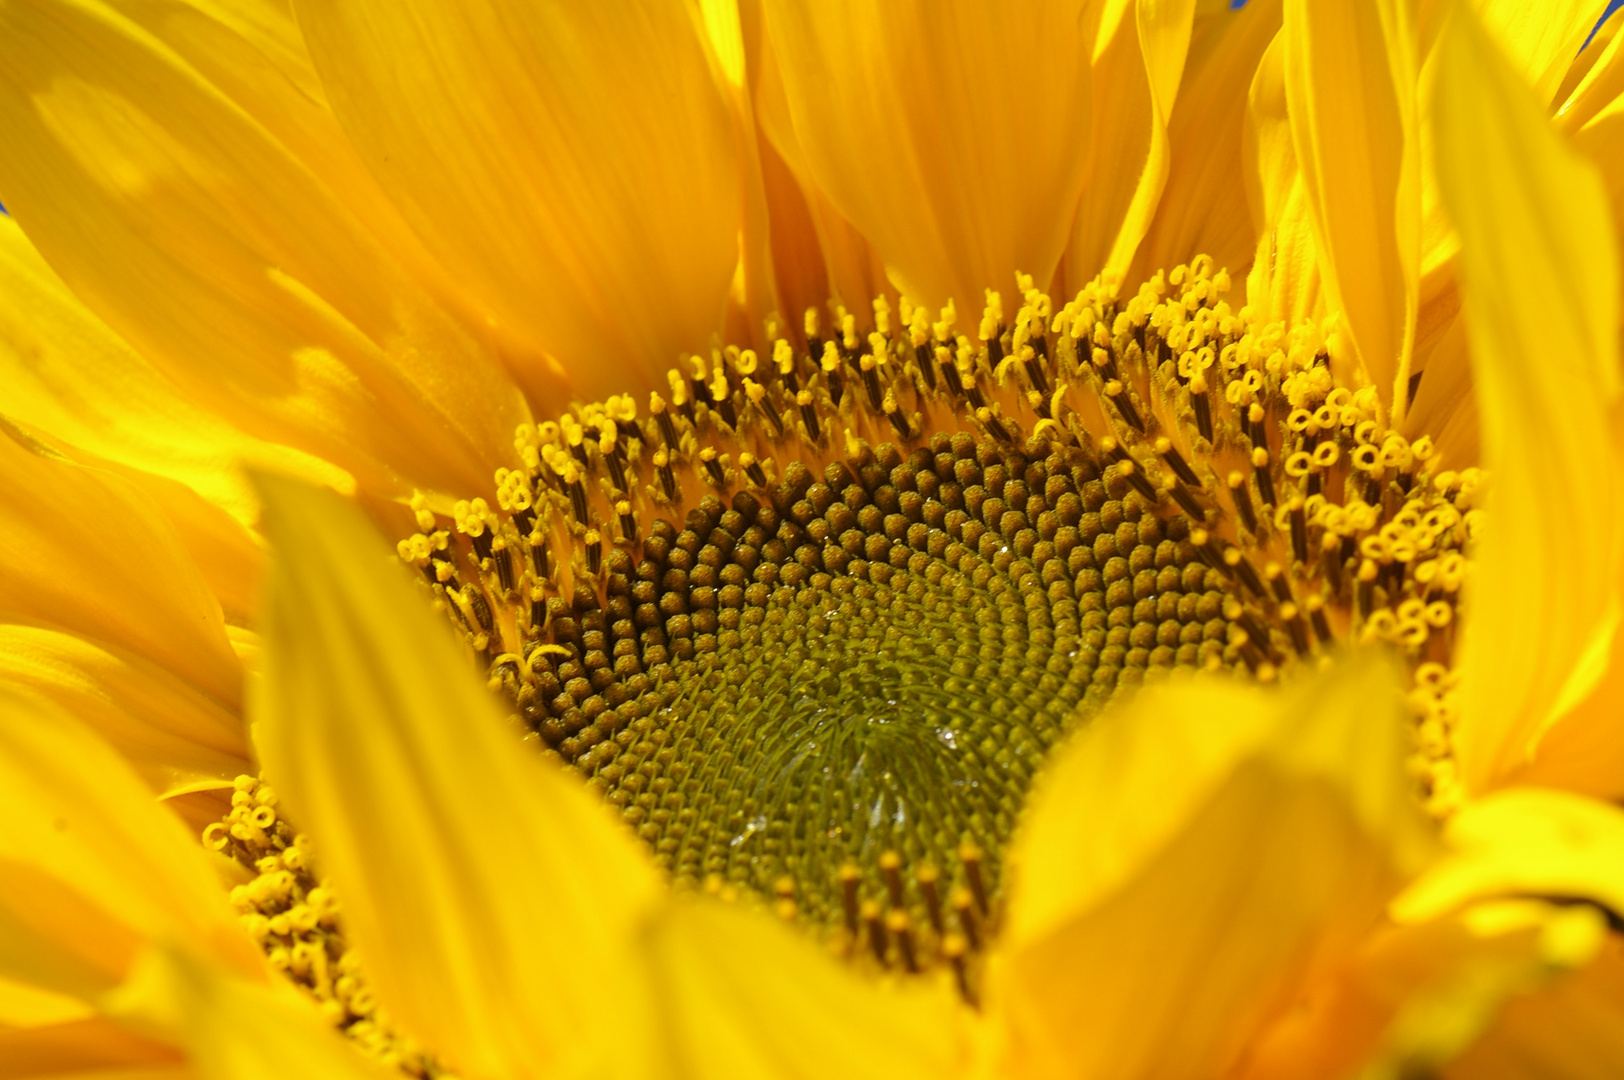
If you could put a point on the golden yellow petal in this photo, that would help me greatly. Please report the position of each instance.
(1540, 283)
(1203, 208)
(575, 163)
(90, 864)
(1287, 812)
(1539, 39)
(1573, 1031)
(1284, 282)
(92, 1049)
(851, 270)
(171, 733)
(69, 376)
(266, 26)
(1584, 750)
(238, 1030)
(1138, 63)
(206, 242)
(744, 997)
(481, 885)
(1350, 75)
(1594, 119)
(86, 550)
(920, 122)
(22, 1005)
(1414, 997)
(1602, 84)
(1524, 842)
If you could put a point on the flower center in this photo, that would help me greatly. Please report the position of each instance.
(812, 624)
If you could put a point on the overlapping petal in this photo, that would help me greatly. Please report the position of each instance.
(1284, 281)
(91, 868)
(172, 734)
(929, 127)
(192, 225)
(86, 550)
(744, 998)
(1203, 207)
(1192, 861)
(1539, 270)
(574, 163)
(235, 1029)
(1350, 77)
(480, 885)
(1138, 62)
(70, 377)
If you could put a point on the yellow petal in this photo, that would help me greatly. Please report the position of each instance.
(90, 864)
(1203, 208)
(481, 885)
(1286, 812)
(22, 1005)
(852, 271)
(1138, 62)
(1601, 86)
(1540, 39)
(168, 731)
(1574, 1031)
(574, 162)
(1524, 842)
(1594, 118)
(1350, 75)
(205, 241)
(947, 134)
(86, 550)
(266, 26)
(66, 374)
(93, 1049)
(238, 1030)
(1414, 997)
(746, 998)
(1540, 282)
(1284, 282)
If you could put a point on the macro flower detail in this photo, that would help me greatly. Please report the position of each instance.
(928, 540)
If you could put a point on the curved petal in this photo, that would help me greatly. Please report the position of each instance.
(480, 885)
(1138, 63)
(1350, 79)
(90, 865)
(91, 1049)
(1284, 282)
(948, 134)
(745, 998)
(1574, 1031)
(1540, 282)
(88, 551)
(851, 271)
(1203, 209)
(1415, 997)
(1542, 39)
(205, 241)
(68, 375)
(1191, 860)
(1601, 87)
(574, 162)
(238, 1030)
(171, 733)
(1524, 842)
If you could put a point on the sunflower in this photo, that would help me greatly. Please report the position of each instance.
(1197, 661)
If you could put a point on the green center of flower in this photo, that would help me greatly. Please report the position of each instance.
(813, 624)
(829, 700)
